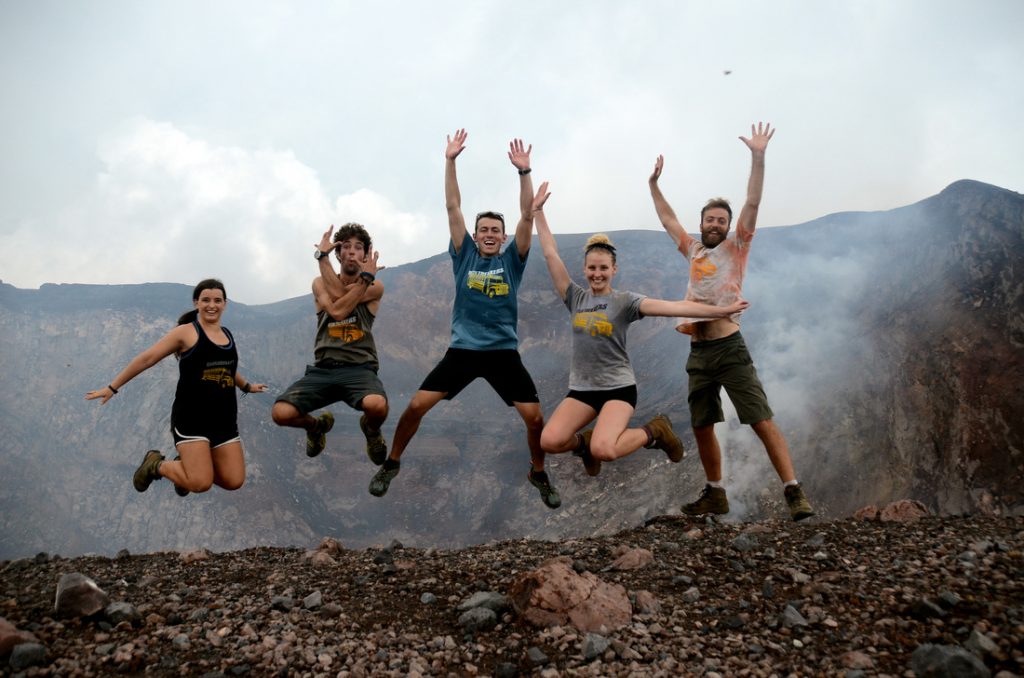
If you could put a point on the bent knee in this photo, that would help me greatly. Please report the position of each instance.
(283, 413)
(231, 483)
(198, 485)
(602, 449)
(552, 443)
(375, 406)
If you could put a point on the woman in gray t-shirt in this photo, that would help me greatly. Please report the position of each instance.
(602, 385)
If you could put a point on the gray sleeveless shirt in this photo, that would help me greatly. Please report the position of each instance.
(348, 341)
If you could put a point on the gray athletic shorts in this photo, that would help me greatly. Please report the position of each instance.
(322, 386)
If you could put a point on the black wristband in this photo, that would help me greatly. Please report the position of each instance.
(367, 276)
(524, 172)
(247, 388)
(114, 390)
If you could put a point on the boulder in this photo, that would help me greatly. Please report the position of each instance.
(10, 636)
(194, 555)
(78, 596)
(946, 661)
(330, 545)
(554, 594)
(903, 511)
(632, 559)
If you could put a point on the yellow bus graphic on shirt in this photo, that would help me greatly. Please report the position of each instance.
(486, 283)
(593, 323)
(219, 375)
(346, 331)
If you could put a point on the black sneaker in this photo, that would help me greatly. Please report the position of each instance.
(591, 464)
(148, 471)
(316, 440)
(711, 500)
(376, 446)
(178, 489)
(548, 494)
(383, 477)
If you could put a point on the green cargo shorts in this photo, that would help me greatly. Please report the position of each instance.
(724, 362)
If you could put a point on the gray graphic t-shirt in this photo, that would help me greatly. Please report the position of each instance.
(599, 326)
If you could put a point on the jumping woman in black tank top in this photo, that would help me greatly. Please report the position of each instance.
(204, 418)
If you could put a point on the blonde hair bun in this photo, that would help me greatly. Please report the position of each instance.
(598, 239)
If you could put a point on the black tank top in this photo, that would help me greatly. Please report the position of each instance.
(206, 382)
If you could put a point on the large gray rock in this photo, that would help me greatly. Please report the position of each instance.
(26, 655)
(492, 600)
(78, 596)
(478, 619)
(946, 661)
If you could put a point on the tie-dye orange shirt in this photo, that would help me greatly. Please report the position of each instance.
(716, 275)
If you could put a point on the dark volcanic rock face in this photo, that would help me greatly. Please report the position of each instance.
(891, 346)
(759, 599)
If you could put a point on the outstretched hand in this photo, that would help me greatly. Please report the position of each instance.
(257, 388)
(520, 158)
(659, 164)
(456, 144)
(369, 263)
(541, 197)
(104, 393)
(759, 137)
(326, 244)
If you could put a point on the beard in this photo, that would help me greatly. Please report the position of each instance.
(712, 239)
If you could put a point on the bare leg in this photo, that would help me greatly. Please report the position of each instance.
(709, 451)
(286, 414)
(375, 407)
(776, 447)
(559, 434)
(228, 466)
(195, 470)
(611, 439)
(534, 420)
(409, 422)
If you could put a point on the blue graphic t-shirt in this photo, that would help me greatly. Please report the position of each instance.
(485, 312)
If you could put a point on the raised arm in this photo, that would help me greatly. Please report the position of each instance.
(174, 341)
(330, 278)
(689, 309)
(665, 212)
(757, 143)
(521, 161)
(556, 267)
(452, 196)
(364, 290)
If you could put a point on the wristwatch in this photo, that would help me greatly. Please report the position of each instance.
(320, 254)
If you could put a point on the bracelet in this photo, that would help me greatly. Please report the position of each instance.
(524, 172)
(247, 388)
(113, 390)
(367, 276)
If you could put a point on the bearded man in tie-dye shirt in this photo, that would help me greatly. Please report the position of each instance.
(718, 355)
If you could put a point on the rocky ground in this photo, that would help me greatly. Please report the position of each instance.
(849, 598)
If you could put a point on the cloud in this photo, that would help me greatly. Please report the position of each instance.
(168, 206)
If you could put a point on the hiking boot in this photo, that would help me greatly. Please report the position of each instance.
(799, 507)
(591, 464)
(316, 440)
(548, 494)
(178, 489)
(664, 438)
(376, 446)
(711, 500)
(148, 471)
(383, 477)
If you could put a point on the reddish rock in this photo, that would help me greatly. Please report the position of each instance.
(193, 556)
(78, 596)
(554, 594)
(857, 660)
(10, 636)
(869, 512)
(645, 602)
(633, 559)
(320, 558)
(330, 545)
(903, 511)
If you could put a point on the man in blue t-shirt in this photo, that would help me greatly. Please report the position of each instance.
(484, 317)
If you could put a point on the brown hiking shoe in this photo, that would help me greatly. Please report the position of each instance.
(665, 438)
(376, 446)
(148, 471)
(316, 440)
(711, 500)
(799, 507)
(590, 464)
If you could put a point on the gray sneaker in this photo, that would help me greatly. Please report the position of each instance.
(316, 440)
(548, 494)
(376, 446)
(382, 478)
(148, 471)
(711, 500)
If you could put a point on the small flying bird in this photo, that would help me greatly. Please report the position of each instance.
(726, 72)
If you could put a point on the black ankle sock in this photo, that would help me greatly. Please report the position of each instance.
(390, 464)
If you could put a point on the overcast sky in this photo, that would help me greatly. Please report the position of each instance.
(171, 141)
